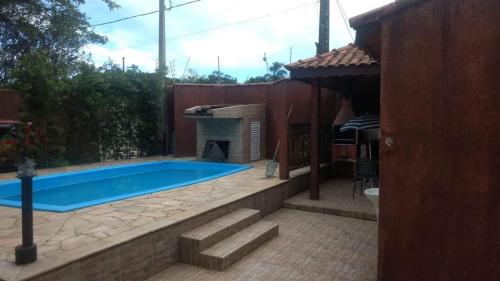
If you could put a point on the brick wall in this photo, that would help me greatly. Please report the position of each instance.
(9, 105)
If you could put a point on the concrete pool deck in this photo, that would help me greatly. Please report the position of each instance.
(65, 239)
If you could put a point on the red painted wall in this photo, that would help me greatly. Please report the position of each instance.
(278, 96)
(9, 105)
(440, 182)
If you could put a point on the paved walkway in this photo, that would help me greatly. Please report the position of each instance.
(56, 233)
(335, 199)
(310, 246)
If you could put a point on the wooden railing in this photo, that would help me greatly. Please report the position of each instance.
(295, 152)
(299, 145)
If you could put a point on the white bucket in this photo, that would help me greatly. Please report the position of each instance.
(372, 195)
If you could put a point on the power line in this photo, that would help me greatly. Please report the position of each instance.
(145, 14)
(242, 21)
(180, 5)
(344, 17)
(122, 19)
(223, 26)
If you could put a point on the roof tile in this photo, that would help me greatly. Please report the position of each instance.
(350, 55)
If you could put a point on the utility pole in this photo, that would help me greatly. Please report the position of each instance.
(218, 70)
(162, 57)
(123, 64)
(323, 45)
(267, 65)
(162, 64)
(162, 69)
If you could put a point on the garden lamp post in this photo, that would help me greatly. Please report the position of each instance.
(26, 253)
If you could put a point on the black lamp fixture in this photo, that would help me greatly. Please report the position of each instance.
(26, 252)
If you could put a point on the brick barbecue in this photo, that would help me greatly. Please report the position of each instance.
(231, 133)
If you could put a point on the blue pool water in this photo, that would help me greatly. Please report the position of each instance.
(74, 190)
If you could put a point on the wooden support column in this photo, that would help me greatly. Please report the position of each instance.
(314, 149)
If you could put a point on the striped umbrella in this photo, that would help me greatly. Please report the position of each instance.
(362, 123)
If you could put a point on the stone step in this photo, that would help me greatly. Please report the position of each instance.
(230, 250)
(192, 243)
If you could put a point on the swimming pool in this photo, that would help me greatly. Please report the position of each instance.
(74, 190)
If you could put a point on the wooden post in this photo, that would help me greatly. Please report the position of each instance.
(314, 149)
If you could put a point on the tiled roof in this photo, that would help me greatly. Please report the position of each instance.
(350, 55)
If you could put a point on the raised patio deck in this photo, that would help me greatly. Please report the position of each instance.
(134, 238)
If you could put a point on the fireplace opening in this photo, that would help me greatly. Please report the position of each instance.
(216, 150)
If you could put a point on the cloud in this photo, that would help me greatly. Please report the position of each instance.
(101, 55)
(239, 46)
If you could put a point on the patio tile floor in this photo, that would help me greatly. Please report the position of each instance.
(310, 246)
(335, 199)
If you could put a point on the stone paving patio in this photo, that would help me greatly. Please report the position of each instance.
(344, 248)
(93, 227)
(310, 246)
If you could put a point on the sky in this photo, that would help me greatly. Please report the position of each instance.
(194, 39)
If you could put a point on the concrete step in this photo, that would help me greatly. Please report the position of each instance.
(230, 250)
(192, 243)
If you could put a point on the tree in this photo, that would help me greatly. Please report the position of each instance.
(191, 76)
(218, 77)
(277, 72)
(87, 113)
(55, 28)
(83, 107)
(215, 77)
(42, 86)
(112, 113)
